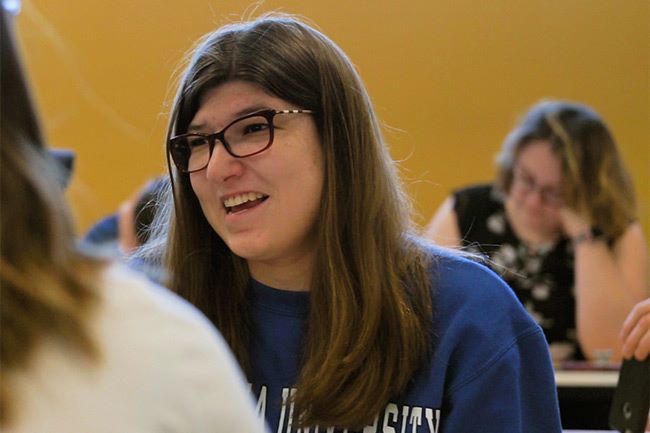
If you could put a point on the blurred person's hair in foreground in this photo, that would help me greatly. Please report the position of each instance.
(87, 345)
(38, 248)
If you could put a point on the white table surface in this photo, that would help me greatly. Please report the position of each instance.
(583, 378)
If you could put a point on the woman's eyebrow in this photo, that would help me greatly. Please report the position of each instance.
(197, 127)
(251, 109)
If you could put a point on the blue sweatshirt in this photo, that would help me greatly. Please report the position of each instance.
(490, 371)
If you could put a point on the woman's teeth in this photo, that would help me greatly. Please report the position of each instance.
(241, 198)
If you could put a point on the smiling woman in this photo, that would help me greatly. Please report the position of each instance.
(289, 228)
(273, 231)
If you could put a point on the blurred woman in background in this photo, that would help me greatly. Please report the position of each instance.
(559, 224)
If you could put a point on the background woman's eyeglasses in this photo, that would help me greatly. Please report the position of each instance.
(246, 136)
(526, 184)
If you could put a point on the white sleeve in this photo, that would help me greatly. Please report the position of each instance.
(181, 369)
(212, 390)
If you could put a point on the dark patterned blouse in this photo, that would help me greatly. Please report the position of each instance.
(541, 279)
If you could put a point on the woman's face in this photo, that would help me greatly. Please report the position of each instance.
(535, 196)
(264, 206)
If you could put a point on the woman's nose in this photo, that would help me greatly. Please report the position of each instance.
(222, 165)
(536, 196)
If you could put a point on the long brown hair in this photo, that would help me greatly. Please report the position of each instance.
(371, 331)
(595, 181)
(45, 283)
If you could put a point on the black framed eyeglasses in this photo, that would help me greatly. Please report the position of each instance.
(552, 196)
(243, 137)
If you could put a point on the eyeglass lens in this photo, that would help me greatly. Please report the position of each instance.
(241, 138)
(527, 182)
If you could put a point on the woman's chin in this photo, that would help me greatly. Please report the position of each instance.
(247, 253)
(543, 227)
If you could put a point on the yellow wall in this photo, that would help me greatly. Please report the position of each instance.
(448, 79)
